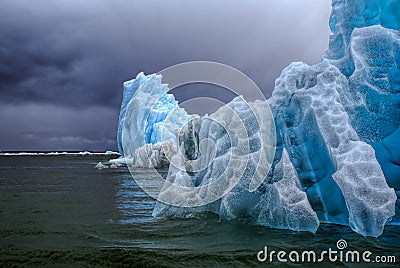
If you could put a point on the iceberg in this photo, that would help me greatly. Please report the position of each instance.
(101, 166)
(327, 153)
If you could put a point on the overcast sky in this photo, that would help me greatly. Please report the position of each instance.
(62, 63)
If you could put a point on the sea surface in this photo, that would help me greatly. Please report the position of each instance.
(59, 211)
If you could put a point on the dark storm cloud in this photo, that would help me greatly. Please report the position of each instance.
(74, 55)
(46, 126)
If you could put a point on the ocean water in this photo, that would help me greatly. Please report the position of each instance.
(59, 211)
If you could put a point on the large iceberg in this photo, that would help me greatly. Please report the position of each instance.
(329, 154)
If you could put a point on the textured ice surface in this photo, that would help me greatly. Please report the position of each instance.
(348, 15)
(340, 174)
(283, 204)
(373, 101)
(299, 95)
(365, 46)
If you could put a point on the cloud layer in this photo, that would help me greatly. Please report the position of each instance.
(62, 63)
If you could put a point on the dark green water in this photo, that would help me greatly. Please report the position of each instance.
(59, 211)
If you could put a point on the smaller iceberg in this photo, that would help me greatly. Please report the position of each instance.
(101, 166)
(148, 115)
